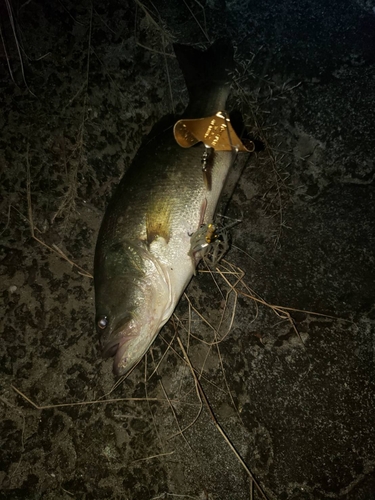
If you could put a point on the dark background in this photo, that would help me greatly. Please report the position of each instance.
(81, 85)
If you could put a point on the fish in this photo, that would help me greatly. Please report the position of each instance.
(143, 260)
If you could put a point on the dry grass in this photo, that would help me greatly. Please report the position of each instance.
(227, 278)
(54, 248)
(230, 280)
(252, 104)
(74, 163)
(95, 402)
(203, 399)
(165, 40)
(18, 47)
(232, 285)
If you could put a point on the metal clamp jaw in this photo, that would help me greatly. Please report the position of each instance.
(214, 131)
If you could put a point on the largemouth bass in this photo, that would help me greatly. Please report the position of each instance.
(143, 259)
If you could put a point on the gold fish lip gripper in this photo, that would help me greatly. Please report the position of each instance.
(214, 131)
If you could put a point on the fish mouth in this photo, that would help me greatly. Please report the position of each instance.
(116, 349)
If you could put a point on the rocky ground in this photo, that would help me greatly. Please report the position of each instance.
(293, 391)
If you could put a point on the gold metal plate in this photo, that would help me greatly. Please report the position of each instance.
(214, 131)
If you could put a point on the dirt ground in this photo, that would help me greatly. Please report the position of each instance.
(81, 84)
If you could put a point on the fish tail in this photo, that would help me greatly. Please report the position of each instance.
(207, 76)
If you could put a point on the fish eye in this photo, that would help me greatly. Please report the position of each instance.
(102, 322)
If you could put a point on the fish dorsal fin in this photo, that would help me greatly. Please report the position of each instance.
(214, 131)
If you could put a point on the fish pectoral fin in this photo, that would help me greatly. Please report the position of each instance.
(214, 131)
(158, 222)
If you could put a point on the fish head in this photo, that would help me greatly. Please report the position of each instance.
(133, 301)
